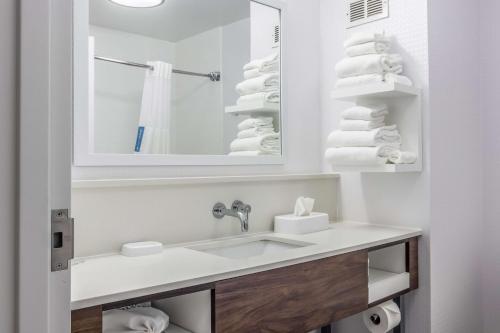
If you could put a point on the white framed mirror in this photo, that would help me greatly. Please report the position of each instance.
(186, 82)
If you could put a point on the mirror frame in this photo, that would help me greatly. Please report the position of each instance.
(83, 140)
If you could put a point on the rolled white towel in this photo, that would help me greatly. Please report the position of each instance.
(249, 153)
(140, 319)
(355, 156)
(361, 125)
(266, 82)
(368, 48)
(365, 37)
(268, 143)
(255, 131)
(256, 122)
(402, 157)
(372, 78)
(272, 68)
(388, 135)
(263, 63)
(262, 97)
(369, 64)
(365, 112)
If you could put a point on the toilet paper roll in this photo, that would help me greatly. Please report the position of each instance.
(382, 318)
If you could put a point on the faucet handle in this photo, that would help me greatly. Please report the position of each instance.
(240, 206)
(219, 210)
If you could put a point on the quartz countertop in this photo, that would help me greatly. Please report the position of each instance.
(113, 277)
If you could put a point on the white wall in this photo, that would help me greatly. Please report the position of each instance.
(118, 88)
(108, 217)
(302, 111)
(263, 19)
(398, 199)
(198, 117)
(490, 101)
(8, 164)
(235, 54)
(456, 167)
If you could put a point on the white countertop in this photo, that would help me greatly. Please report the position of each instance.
(110, 278)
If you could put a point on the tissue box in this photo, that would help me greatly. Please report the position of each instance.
(291, 224)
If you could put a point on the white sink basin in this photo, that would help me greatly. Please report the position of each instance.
(250, 247)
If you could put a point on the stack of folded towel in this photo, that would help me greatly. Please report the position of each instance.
(369, 61)
(256, 137)
(135, 319)
(262, 81)
(364, 139)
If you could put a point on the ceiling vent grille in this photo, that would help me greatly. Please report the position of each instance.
(276, 36)
(360, 12)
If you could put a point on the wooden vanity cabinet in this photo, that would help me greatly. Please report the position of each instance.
(297, 298)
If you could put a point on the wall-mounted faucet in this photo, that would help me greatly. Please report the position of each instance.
(238, 210)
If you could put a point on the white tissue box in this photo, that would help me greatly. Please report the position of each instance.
(291, 224)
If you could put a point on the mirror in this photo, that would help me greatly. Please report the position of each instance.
(184, 82)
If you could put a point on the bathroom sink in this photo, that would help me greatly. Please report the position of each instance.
(250, 247)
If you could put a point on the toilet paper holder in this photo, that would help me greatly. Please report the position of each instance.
(376, 320)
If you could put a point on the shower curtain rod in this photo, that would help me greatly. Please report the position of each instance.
(213, 76)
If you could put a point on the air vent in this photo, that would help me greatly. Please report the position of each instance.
(277, 34)
(359, 12)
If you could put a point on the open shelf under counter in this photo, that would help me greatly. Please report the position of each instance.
(257, 108)
(382, 284)
(376, 90)
(175, 329)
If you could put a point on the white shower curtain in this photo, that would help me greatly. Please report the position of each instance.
(154, 122)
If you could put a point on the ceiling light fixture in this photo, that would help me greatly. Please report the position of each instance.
(139, 3)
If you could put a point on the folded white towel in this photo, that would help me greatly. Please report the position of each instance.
(365, 112)
(369, 64)
(256, 122)
(266, 82)
(140, 319)
(368, 48)
(402, 157)
(388, 135)
(361, 125)
(250, 153)
(366, 37)
(351, 156)
(260, 97)
(268, 143)
(263, 63)
(373, 78)
(255, 131)
(256, 72)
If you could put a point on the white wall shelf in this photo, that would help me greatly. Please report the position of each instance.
(257, 108)
(404, 103)
(379, 168)
(379, 90)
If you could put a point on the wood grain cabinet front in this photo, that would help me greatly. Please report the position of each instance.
(296, 298)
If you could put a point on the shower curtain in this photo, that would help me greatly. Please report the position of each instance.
(154, 122)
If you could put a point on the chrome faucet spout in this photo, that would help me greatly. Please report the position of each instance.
(238, 209)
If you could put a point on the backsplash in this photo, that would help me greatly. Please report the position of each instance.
(107, 217)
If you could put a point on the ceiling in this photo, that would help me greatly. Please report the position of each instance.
(173, 21)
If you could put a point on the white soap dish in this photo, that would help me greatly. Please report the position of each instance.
(141, 249)
(298, 225)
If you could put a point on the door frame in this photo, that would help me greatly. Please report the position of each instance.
(46, 104)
